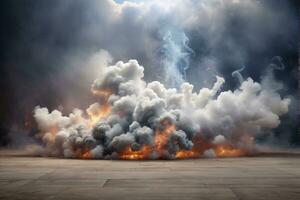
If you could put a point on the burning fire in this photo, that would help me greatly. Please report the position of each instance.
(96, 112)
(86, 155)
(101, 112)
(141, 154)
(182, 154)
(197, 151)
(83, 153)
(228, 151)
(162, 136)
(161, 139)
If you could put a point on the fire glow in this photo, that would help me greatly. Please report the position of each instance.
(161, 140)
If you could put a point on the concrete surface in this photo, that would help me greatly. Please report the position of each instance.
(271, 176)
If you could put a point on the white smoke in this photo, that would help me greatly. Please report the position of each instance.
(135, 117)
(175, 56)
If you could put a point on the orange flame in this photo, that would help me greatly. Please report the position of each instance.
(161, 139)
(182, 154)
(104, 108)
(86, 155)
(102, 112)
(83, 153)
(161, 136)
(200, 145)
(51, 134)
(141, 154)
(228, 151)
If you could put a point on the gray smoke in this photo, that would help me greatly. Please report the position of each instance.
(135, 119)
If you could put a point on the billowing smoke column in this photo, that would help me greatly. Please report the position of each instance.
(134, 119)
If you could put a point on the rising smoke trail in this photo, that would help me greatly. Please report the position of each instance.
(237, 74)
(134, 119)
(175, 56)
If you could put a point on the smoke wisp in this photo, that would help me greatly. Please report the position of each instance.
(175, 57)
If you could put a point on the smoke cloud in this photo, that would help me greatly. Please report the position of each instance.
(135, 119)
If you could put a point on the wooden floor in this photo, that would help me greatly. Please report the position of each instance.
(265, 177)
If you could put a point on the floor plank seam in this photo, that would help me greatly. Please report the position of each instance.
(235, 194)
(35, 179)
(105, 182)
